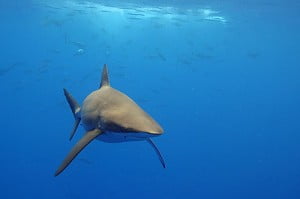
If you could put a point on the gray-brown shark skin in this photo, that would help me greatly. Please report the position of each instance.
(110, 116)
(110, 110)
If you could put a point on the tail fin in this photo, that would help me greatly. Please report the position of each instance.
(75, 110)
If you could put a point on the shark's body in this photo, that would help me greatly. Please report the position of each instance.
(110, 116)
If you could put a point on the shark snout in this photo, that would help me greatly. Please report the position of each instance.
(158, 130)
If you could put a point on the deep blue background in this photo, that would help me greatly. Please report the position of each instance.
(226, 93)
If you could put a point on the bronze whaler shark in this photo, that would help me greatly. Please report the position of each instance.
(110, 116)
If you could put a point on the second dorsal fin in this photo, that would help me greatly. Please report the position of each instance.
(104, 79)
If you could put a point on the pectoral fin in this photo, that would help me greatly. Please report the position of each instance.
(75, 110)
(157, 152)
(72, 103)
(76, 123)
(89, 136)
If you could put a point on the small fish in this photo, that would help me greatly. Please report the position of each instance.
(80, 51)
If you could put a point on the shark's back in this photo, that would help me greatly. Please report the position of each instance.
(111, 110)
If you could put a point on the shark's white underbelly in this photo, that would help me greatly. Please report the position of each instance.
(113, 137)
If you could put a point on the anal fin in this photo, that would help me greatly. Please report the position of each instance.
(157, 152)
(80, 145)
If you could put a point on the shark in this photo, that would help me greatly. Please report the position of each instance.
(110, 116)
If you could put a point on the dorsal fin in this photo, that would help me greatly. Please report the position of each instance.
(104, 79)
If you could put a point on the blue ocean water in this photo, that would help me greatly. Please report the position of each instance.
(222, 78)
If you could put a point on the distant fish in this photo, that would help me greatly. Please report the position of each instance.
(5, 70)
(55, 22)
(80, 51)
(104, 10)
(135, 14)
(55, 51)
(202, 55)
(157, 55)
(78, 44)
(52, 7)
(84, 160)
(253, 55)
(161, 56)
(93, 7)
(80, 47)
